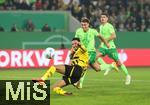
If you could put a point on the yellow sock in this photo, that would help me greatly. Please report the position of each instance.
(49, 73)
(58, 90)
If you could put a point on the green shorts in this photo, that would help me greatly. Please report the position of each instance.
(92, 57)
(112, 53)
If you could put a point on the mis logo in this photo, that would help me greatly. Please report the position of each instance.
(16, 92)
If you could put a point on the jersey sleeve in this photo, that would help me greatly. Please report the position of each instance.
(111, 29)
(95, 32)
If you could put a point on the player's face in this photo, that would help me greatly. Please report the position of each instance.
(103, 19)
(85, 26)
(75, 43)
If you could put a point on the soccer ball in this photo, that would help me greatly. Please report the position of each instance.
(49, 53)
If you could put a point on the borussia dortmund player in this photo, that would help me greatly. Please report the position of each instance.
(108, 33)
(87, 36)
(73, 72)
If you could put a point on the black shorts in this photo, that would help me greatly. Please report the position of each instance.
(73, 74)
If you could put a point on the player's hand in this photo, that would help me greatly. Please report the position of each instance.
(79, 44)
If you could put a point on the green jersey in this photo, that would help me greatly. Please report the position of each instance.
(106, 30)
(87, 38)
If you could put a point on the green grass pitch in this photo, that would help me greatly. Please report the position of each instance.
(97, 89)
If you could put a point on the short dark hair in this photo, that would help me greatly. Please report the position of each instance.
(76, 39)
(104, 14)
(85, 19)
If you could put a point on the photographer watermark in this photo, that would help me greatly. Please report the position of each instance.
(24, 92)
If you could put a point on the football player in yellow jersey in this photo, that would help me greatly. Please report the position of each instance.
(71, 73)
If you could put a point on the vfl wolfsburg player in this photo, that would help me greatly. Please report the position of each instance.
(108, 33)
(87, 36)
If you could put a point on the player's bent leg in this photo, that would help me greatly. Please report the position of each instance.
(124, 69)
(102, 67)
(59, 68)
(48, 74)
(99, 58)
(111, 67)
(128, 77)
(79, 84)
(115, 67)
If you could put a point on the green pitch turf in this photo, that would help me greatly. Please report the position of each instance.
(97, 89)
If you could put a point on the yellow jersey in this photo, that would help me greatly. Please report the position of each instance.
(80, 57)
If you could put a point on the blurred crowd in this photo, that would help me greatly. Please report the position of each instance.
(125, 15)
(29, 27)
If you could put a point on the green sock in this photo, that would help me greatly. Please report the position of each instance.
(124, 69)
(105, 66)
(101, 61)
(82, 78)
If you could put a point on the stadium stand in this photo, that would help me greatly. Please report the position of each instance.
(125, 15)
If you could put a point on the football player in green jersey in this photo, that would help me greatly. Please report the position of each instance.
(87, 37)
(108, 32)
